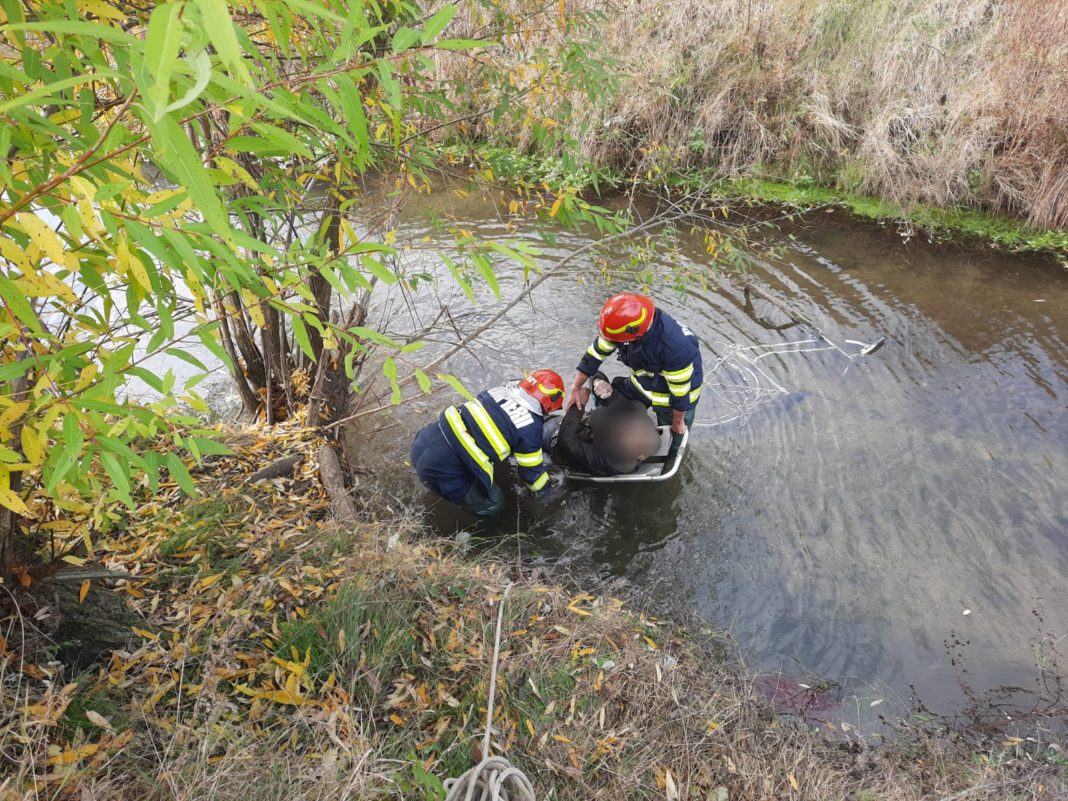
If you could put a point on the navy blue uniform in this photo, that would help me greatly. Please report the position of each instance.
(460, 451)
(665, 365)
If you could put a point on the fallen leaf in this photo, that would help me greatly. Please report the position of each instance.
(84, 590)
(97, 719)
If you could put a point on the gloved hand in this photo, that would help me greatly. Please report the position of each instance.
(602, 388)
(553, 487)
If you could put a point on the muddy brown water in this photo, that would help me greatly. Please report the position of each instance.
(894, 522)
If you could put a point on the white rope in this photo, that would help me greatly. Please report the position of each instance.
(494, 778)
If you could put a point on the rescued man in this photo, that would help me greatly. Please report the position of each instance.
(455, 457)
(663, 356)
(612, 439)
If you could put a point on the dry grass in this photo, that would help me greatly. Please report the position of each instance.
(281, 659)
(944, 103)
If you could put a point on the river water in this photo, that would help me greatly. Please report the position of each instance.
(896, 522)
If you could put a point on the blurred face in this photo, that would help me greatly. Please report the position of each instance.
(638, 441)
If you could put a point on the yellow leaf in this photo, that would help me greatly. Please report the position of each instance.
(42, 235)
(556, 205)
(84, 192)
(130, 265)
(72, 755)
(209, 581)
(295, 668)
(793, 781)
(530, 727)
(14, 254)
(9, 499)
(44, 285)
(252, 306)
(101, 9)
(86, 377)
(84, 590)
(397, 719)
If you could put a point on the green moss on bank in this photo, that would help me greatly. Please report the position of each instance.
(951, 224)
(1004, 232)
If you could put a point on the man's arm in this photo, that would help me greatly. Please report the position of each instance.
(581, 454)
(680, 386)
(531, 459)
(600, 350)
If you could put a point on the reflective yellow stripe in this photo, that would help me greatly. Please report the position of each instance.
(655, 398)
(591, 352)
(625, 326)
(678, 376)
(605, 346)
(695, 394)
(456, 423)
(489, 428)
(679, 390)
(540, 482)
(532, 459)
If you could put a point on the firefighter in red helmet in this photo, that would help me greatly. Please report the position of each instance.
(663, 356)
(457, 455)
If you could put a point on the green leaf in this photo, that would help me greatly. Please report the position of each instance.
(486, 269)
(423, 380)
(18, 305)
(179, 473)
(46, 92)
(455, 383)
(300, 333)
(378, 270)
(181, 160)
(200, 67)
(404, 38)
(119, 477)
(389, 370)
(457, 276)
(92, 30)
(220, 30)
(436, 24)
(162, 43)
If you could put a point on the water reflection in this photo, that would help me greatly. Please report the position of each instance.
(845, 527)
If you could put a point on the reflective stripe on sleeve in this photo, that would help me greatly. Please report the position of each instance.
(532, 459)
(655, 398)
(605, 347)
(678, 376)
(489, 428)
(679, 390)
(661, 398)
(539, 482)
(456, 423)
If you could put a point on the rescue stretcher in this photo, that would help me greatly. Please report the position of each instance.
(660, 467)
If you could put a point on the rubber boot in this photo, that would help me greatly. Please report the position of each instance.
(477, 502)
(663, 418)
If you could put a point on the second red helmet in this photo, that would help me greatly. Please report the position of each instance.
(625, 317)
(547, 387)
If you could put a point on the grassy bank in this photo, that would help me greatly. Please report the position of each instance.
(951, 114)
(273, 655)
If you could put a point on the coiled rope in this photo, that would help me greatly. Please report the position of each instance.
(494, 778)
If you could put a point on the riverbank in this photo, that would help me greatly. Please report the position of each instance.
(950, 115)
(960, 225)
(275, 654)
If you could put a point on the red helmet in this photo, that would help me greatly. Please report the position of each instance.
(547, 387)
(625, 317)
